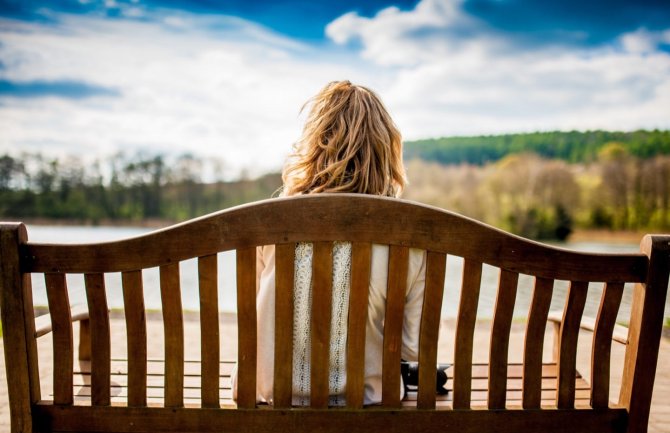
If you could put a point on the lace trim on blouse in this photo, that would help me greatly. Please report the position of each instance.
(302, 293)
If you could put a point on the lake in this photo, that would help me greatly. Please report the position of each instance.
(227, 295)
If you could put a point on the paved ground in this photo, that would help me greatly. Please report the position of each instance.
(660, 411)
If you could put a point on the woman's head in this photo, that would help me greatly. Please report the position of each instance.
(349, 144)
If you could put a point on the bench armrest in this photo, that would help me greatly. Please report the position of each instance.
(620, 334)
(43, 323)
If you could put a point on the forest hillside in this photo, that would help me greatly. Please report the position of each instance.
(541, 185)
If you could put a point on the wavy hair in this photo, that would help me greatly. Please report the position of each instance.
(349, 144)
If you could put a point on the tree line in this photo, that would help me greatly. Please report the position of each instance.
(122, 188)
(545, 198)
(573, 146)
(621, 187)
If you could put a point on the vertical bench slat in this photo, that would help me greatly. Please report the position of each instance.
(644, 333)
(358, 315)
(322, 296)
(393, 321)
(61, 325)
(283, 358)
(569, 333)
(246, 327)
(209, 330)
(465, 329)
(100, 343)
(430, 327)
(23, 385)
(136, 329)
(502, 323)
(534, 343)
(31, 341)
(173, 325)
(602, 344)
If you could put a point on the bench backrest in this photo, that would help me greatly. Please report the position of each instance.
(323, 219)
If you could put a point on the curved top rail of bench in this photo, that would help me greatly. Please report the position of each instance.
(328, 217)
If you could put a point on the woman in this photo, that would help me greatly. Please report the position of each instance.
(349, 144)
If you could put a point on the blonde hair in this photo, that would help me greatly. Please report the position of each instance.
(349, 144)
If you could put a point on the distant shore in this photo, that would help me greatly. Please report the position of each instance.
(148, 223)
(609, 236)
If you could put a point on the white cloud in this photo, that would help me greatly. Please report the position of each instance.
(233, 91)
(455, 75)
(229, 88)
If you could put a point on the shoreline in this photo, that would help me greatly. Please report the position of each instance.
(609, 236)
(155, 223)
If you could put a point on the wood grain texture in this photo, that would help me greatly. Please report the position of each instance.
(209, 329)
(602, 344)
(356, 328)
(326, 217)
(396, 290)
(173, 326)
(136, 331)
(100, 343)
(430, 328)
(246, 328)
(19, 345)
(569, 332)
(59, 308)
(644, 335)
(311, 420)
(31, 342)
(500, 331)
(283, 359)
(534, 342)
(322, 297)
(84, 350)
(465, 328)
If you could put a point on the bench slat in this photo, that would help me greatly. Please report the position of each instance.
(61, 325)
(100, 343)
(465, 328)
(430, 328)
(534, 342)
(209, 328)
(322, 296)
(569, 332)
(500, 332)
(76, 418)
(283, 359)
(173, 325)
(246, 327)
(602, 344)
(358, 315)
(396, 290)
(133, 302)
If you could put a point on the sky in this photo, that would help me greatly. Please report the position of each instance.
(228, 79)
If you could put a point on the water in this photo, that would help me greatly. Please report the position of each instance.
(227, 295)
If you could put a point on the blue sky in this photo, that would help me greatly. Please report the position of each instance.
(227, 79)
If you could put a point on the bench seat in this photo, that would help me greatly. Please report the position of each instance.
(192, 381)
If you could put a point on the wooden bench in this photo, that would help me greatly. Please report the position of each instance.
(100, 393)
